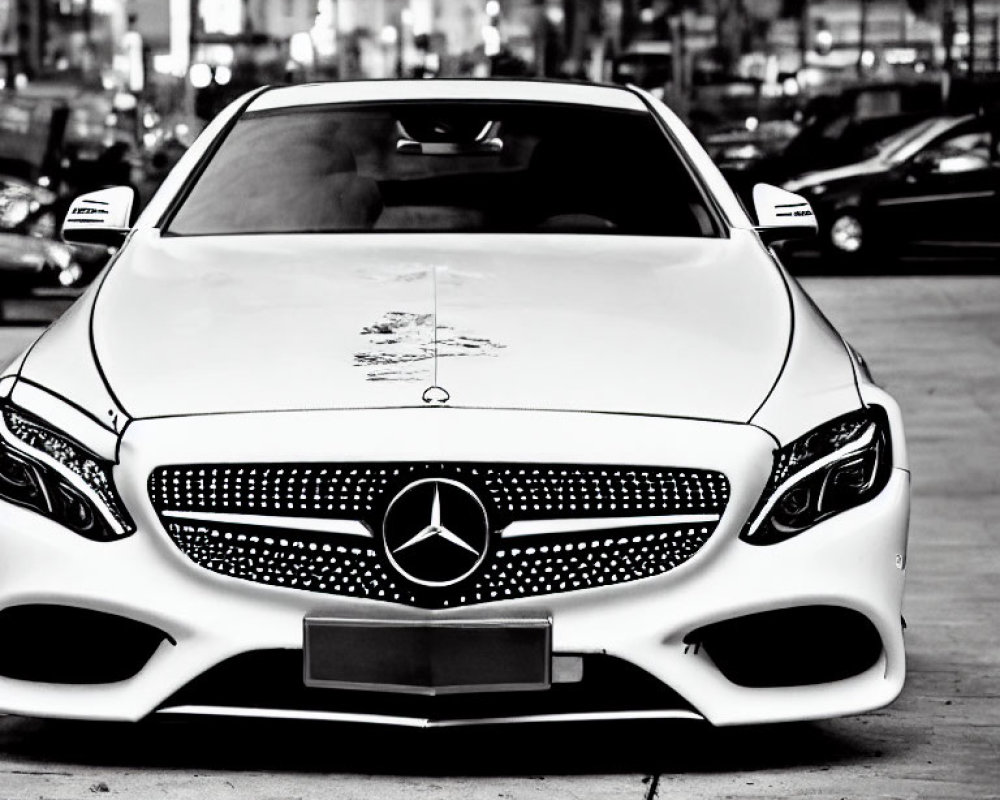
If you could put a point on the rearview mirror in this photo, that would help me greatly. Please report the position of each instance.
(782, 215)
(103, 217)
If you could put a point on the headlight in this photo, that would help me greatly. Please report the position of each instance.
(834, 467)
(70, 275)
(51, 474)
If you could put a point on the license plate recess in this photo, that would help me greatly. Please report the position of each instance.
(428, 657)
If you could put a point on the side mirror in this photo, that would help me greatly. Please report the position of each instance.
(782, 215)
(103, 217)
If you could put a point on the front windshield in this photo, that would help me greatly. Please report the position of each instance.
(445, 167)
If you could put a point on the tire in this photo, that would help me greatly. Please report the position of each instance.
(847, 238)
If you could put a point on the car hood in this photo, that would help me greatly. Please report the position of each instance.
(862, 169)
(679, 327)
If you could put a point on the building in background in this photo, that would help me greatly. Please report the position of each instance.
(72, 38)
(196, 54)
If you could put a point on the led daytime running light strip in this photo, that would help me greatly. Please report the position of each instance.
(853, 448)
(85, 474)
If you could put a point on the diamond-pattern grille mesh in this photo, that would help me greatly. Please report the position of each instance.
(349, 565)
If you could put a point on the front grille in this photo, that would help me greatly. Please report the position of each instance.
(355, 566)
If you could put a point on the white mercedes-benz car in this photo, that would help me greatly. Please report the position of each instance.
(441, 403)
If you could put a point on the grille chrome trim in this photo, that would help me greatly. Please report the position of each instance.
(541, 527)
(348, 527)
(424, 722)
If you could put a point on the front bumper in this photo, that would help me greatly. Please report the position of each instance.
(855, 560)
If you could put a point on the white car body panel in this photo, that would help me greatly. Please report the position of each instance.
(62, 363)
(817, 379)
(698, 354)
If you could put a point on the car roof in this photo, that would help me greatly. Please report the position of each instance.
(432, 90)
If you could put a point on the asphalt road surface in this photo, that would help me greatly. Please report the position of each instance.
(934, 341)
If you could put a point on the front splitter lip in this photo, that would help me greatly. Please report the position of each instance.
(427, 722)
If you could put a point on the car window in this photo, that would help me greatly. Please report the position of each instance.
(962, 152)
(439, 167)
(975, 142)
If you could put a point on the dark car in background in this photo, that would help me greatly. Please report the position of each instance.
(840, 129)
(837, 129)
(30, 133)
(30, 254)
(53, 146)
(932, 188)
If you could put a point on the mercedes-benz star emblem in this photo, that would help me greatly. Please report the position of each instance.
(436, 394)
(436, 532)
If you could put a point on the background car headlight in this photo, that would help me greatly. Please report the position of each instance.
(48, 472)
(834, 467)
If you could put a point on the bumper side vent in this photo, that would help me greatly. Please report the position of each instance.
(791, 646)
(60, 644)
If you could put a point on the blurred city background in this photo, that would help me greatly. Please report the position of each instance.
(99, 92)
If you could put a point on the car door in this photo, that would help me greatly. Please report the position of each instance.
(945, 196)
